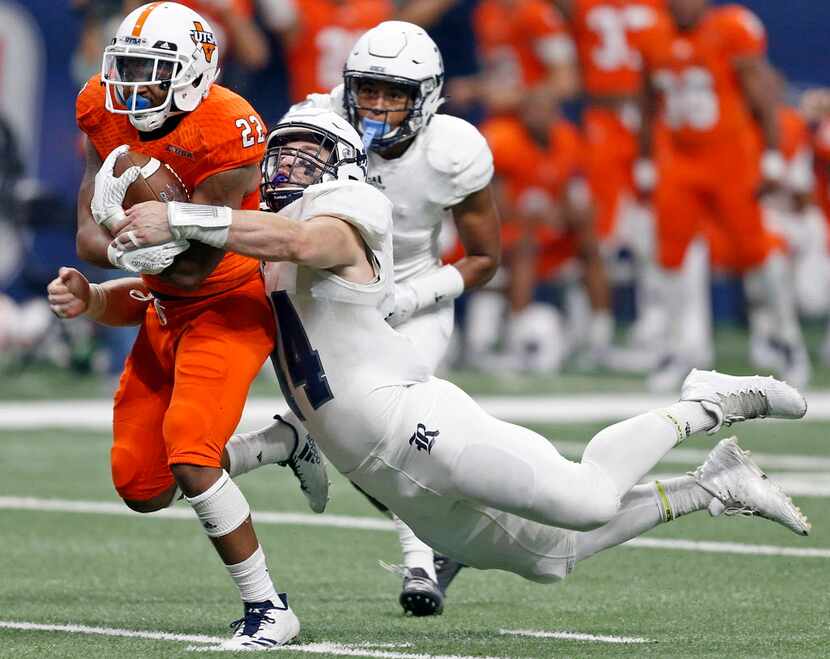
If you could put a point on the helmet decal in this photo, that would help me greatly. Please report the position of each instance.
(203, 38)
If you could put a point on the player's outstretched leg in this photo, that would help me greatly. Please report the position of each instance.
(627, 451)
(728, 483)
(286, 443)
(732, 398)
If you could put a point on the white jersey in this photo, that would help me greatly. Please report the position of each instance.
(334, 347)
(447, 161)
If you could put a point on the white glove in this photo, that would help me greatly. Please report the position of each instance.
(406, 304)
(110, 190)
(146, 260)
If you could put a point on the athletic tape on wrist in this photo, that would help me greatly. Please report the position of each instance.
(446, 283)
(207, 224)
(98, 299)
(222, 508)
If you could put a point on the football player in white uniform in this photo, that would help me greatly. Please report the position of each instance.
(492, 495)
(435, 168)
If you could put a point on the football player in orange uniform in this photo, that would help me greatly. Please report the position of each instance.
(548, 222)
(318, 35)
(521, 44)
(209, 328)
(605, 33)
(708, 68)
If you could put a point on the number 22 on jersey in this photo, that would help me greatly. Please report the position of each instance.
(303, 368)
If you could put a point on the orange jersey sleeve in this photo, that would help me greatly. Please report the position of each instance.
(742, 32)
(224, 132)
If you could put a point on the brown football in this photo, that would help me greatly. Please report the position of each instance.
(163, 184)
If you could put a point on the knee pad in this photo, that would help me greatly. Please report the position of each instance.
(222, 508)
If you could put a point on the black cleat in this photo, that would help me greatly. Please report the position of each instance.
(420, 595)
(445, 569)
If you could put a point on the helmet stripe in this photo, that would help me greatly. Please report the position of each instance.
(139, 24)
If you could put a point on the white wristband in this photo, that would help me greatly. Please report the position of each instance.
(444, 284)
(207, 224)
(773, 166)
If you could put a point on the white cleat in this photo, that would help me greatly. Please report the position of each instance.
(741, 488)
(732, 398)
(264, 626)
(309, 467)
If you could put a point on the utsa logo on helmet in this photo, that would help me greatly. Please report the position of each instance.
(204, 38)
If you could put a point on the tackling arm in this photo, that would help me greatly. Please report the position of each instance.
(91, 239)
(226, 188)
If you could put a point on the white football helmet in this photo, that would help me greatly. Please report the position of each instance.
(164, 44)
(402, 54)
(309, 146)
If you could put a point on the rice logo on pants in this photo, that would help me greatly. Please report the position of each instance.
(423, 439)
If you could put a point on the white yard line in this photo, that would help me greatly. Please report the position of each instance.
(373, 524)
(579, 408)
(212, 642)
(576, 636)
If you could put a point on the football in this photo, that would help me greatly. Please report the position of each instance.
(158, 182)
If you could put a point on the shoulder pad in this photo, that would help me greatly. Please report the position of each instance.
(356, 202)
(460, 155)
(89, 104)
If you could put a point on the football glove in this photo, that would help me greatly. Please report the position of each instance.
(146, 260)
(110, 190)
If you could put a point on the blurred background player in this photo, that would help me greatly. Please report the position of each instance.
(521, 44)
(611, 69)
(317, 34)
(209, 328)
(708, 67)
(435, 168)
(547, 230)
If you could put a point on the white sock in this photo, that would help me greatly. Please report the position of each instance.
(252, 578)
(415, 552)
(680, 496)
(249, 450)
(688, 418)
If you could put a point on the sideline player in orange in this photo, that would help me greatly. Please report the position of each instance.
(708, 67)
(209, 328)
(317, 35)
(548, 221)
(522, 44)
(605, 33)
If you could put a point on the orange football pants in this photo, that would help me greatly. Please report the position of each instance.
(185, 383)
(610, 155)
(711, 192)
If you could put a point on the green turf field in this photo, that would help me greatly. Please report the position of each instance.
(140, 573)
